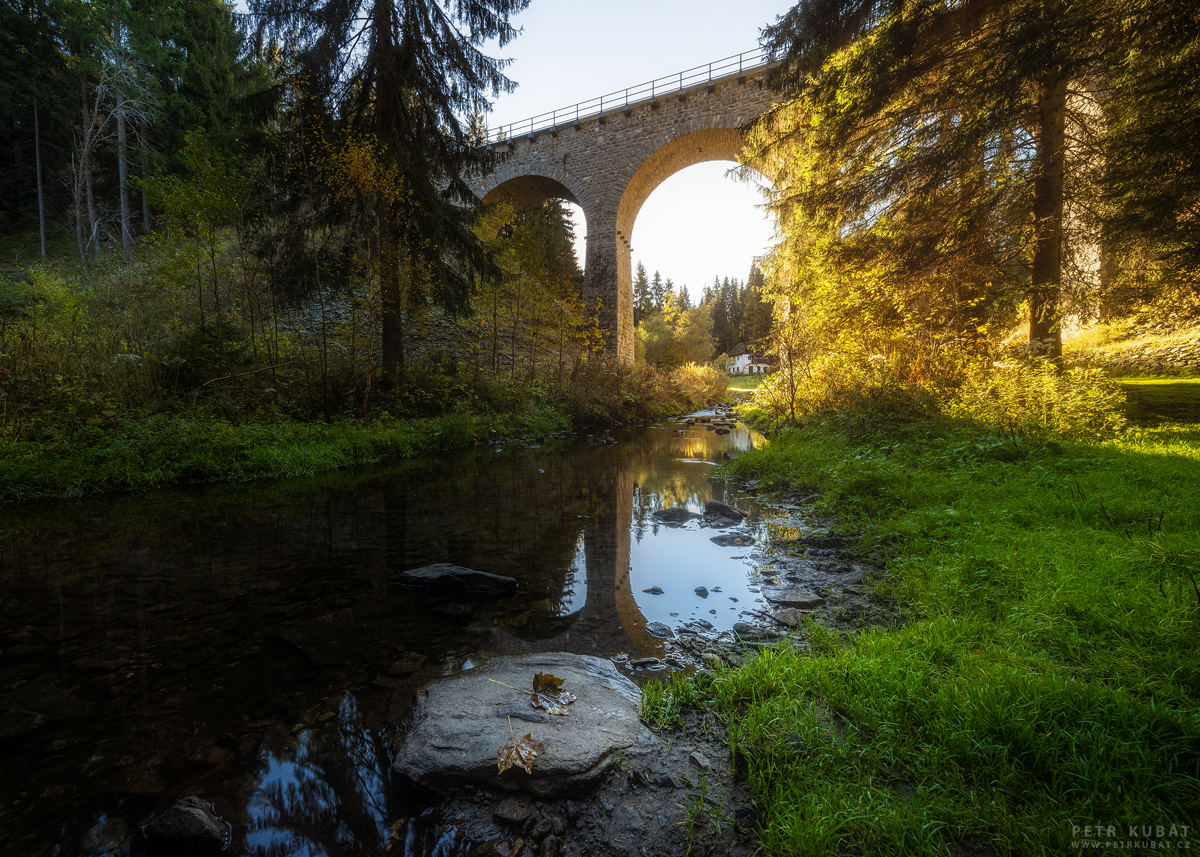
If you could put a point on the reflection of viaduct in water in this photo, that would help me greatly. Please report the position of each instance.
(610, 620)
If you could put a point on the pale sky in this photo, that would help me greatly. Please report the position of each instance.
(698, 223)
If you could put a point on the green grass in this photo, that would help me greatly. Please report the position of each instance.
(1046, 676)
(663, 702)
(162, 451)
(745, 382)
(1155, 400)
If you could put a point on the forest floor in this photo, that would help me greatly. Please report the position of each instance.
(1039, 696)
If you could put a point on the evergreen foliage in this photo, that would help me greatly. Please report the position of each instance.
(643, 304)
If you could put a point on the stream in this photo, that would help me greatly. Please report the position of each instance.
(249, 645)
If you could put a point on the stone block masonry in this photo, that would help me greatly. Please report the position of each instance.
(609, 165)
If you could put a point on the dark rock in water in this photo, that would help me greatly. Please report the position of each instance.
(18, 723)
(36, 702)
(803, 599)
(512, 810)
(190, 824)
(753, 633)
(701, 591)
(726, 540)
(720, 515)
(645, 662)
(675, 515)
(540, 830)
(332, 639)
(444, 577)
(409, 663)
(107, 836)
(658, 629)
(721, 431)
(23, 652)
(703, 623)
(460, 723)
(654, 590)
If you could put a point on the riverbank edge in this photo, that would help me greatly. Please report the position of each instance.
(815, 724)
(126, 453)
(167, 451)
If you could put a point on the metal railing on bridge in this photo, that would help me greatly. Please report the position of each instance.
(624, 100)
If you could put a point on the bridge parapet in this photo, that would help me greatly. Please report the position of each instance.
(624, 101)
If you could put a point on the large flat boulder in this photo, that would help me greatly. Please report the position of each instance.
(445, 577)
(460, 723)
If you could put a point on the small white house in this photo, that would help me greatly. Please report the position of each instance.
(743, 361)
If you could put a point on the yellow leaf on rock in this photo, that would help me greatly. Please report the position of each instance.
(544, 682)
(520, 753)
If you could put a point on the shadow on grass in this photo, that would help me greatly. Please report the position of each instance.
(1154, 401)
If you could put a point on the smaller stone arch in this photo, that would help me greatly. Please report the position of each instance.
(519, 188)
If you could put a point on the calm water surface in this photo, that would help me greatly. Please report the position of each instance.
(248, 644)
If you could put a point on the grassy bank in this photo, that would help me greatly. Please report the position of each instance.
(162, 451)
(61, 450)
(1046, 680)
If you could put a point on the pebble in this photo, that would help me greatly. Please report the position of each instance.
(700, 761)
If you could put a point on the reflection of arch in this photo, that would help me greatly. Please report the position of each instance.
(610, 620)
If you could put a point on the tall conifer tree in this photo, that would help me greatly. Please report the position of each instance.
(412, 72)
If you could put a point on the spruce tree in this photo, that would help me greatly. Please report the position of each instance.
(926, 147)
(643, 304)
(412, 73)
(658, 291)
(720, 316)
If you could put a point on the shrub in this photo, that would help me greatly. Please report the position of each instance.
(1038, 399)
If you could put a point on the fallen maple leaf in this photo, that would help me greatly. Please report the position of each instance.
(546, 694)
(519, 752)
(551, 703)
(544, 682)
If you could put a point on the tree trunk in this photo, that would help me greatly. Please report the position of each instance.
(37, 154)
(147, 223)
(85, 166)
(1045, 329)
(386, 93)
(77, 198)
(123, 178)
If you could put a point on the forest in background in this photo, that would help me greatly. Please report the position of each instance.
(264, 216)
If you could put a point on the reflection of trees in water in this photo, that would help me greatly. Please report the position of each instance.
(328, 798)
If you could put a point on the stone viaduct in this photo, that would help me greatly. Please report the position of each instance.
(609, 160)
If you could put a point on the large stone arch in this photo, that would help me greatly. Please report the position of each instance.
(695, 147)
